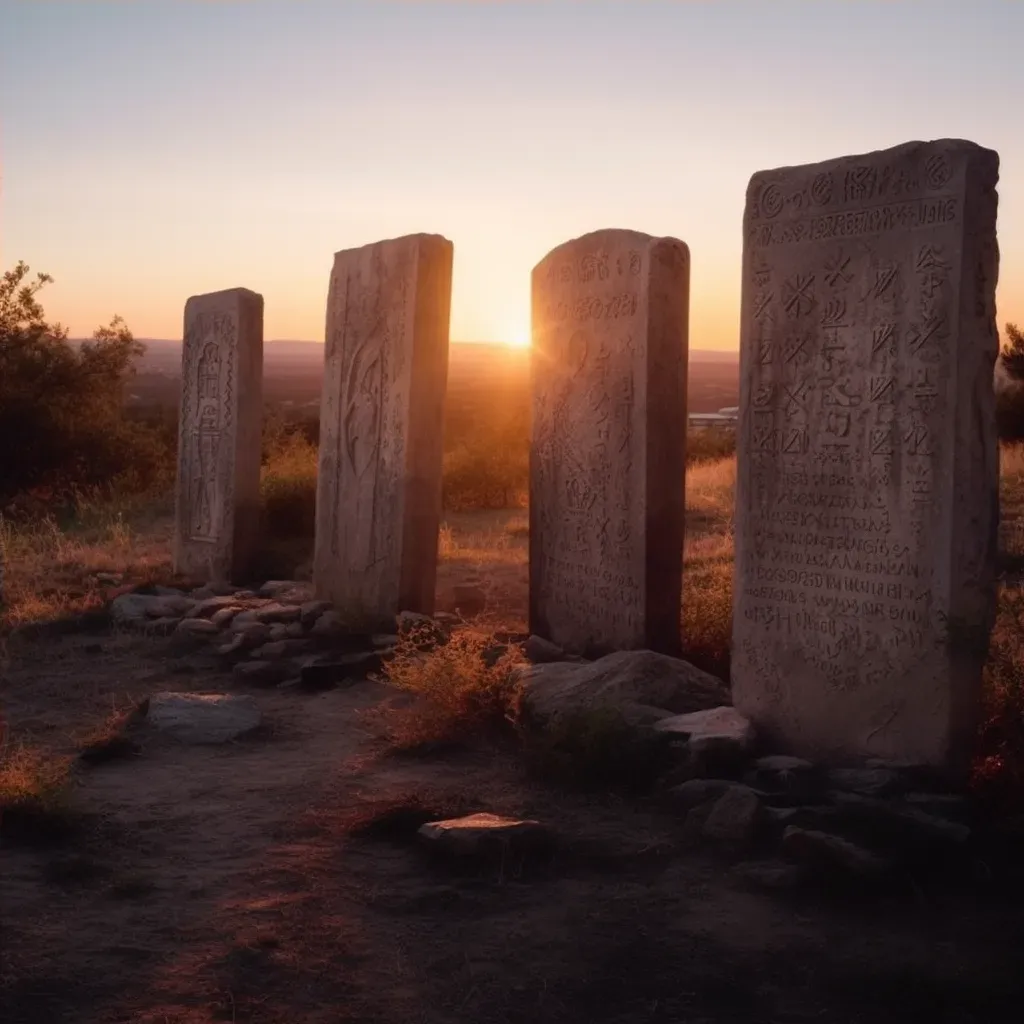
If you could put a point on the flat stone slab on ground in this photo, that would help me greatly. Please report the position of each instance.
(486, 833)
(200, 718)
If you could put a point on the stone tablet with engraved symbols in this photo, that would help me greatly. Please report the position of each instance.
(610, 317)
(382, 409)
(867, 490)
(219, 436)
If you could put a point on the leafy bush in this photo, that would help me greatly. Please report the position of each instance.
(1010, 397)
(62, 407)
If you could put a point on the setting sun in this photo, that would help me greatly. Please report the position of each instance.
(519, 338)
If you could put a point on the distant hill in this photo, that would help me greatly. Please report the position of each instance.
(292, 372)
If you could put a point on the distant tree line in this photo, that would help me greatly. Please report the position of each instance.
(1010, 396)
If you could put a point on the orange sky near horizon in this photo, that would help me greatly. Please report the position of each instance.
(242, 145)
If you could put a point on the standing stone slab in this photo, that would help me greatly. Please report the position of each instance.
(386, 370)
(218, 489)
(610, 320)
(867, 490)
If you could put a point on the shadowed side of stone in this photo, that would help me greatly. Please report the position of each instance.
(484, 835)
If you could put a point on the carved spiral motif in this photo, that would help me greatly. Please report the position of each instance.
(771, 200)
(821, 189)
(937, 171)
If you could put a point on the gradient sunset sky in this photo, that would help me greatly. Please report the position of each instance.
(155, 150)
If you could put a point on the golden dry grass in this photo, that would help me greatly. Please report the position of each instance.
(35, 792)
(459, 690)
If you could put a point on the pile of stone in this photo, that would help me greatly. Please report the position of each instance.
(866, 820)
(277, 634)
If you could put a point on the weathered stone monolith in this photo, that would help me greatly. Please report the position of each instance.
(385, 373)
(867, 491)
(220, 426)
(609, 361)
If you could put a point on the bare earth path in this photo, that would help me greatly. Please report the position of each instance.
(226, 884)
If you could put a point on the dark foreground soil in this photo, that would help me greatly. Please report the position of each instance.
(242, 883)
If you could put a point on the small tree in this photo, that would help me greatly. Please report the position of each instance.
(62, 406)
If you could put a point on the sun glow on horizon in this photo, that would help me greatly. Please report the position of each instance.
(518, 338)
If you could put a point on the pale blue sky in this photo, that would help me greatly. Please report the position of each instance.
(154, 150)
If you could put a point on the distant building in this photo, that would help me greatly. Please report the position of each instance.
(726, 417)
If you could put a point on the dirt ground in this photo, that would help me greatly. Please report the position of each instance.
(228, 884)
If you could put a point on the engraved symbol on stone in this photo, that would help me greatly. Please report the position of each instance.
(930, 257)
(838, 423)
(834, 313)
(860, 182)
(764, 351)
(830, 348)
(794, 441)
(884, 279)
(937, 171)
(883, 336)
(762, 304)
(922, 334)
(361, 401)
(795, 350)
(925, 392)
(836, 271)
(882, 389)
(576, 351)
(636, 263)
(565, 273)
(796, 396)
(918, 440)
(920, 491)
(798, 295)
(821, 189)
(594, 265)
(837, 394)
(763, 432)
(771, 200)
(762, 273)
(763, 396)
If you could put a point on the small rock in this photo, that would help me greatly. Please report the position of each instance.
(223, 618)
(542, 652)
(203, 717)
(162, 591)
(134, 609)
(326, 673)
(244, 595)
(281, 649)
(161, 627)
(277, 612)
(310, 611)
(203, 593)
(698, 791)
(197, 627)
(253, 634)
(734, 818)
(943, 805)
(384, 641)
(770, 874)
(785, 779)
(718, 739)
(469, 600)
(294, 631)
(865, 781)
(110, 579)
(243, 619)
(478, 834)
(825, 851)
(446, 618)
(328, 624)
(206, 609)
(235, 647)
(275, 588)
(262, 673)
(278, 631)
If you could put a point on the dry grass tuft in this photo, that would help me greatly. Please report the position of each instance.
(113, 739)
(35, 792)
(461, 690)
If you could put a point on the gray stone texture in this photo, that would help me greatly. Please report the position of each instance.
(610, 315)
(867, 488)
(217, 498)
(381, 420)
